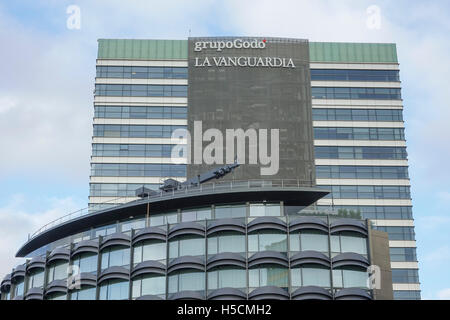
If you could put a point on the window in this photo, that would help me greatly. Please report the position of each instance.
(226, 241)
(324, 114)
(149, 285)
(187, 280)
(134, 224)
(234, 211)
(388, 153)
(368, 192)
(261, 210)
(105, 230)
(354, 75)
(407, 295)
(399, 233)
(268, 275)
(186, 246)
(149, 250)
(340, 133)
(137, 170)
(405, 276)
(36, 279)
(132, 150)
(267, 240)
(114, 290)
(195, 214)
(85, 293)
(355, 93)
(403, 254)
(135, 131)
(227, 277)
(56, 296)
(57, 271)
(162, 219)
(376, 212)
(19, 287)
(350, 277)
(86, 262)
(141, 112)
(135, 72)
(140, 90)
(311, 275)
(309, 240)
(361, 172)
(115, 256)
(349, 242)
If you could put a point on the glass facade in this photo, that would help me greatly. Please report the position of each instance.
(203, 278)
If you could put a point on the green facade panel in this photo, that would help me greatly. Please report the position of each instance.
(178, 50)
(142, 49)
(353, 52)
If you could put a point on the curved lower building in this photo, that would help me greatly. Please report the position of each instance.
(228, 240)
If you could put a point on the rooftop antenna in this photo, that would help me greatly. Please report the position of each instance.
(189, 33)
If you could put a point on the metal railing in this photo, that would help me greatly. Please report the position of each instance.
(207, 187)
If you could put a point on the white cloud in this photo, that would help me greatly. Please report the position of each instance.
(16, 224)
(444, 294)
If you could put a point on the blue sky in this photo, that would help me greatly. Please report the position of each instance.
(47, 79)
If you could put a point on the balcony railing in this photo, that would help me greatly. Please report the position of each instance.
(202, 188)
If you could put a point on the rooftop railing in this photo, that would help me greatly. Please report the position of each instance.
(223, 185)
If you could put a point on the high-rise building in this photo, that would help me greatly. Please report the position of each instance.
(357, 118)
(338, 111)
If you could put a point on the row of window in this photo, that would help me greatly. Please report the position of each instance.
(361, 172)
(193, 245)
(398, 233)
(376, 212)
(139, 72)
(329, 133)
(357, 114)
(403, 254)
(140, 90)
(132, 150)
(405, 276)
(130, 112)
(154, 112)
(407, 295)
(217, 278)
(221, 277)
(356, 93)
(354, 75)
(137, 170)
(368, 192)
(131, 72)
(135, 131)
(117, 189)
(369, 153)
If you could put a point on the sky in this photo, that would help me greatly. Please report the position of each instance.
(47, 65)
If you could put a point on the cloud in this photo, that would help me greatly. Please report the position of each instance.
(444, 294)
(16, 224)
